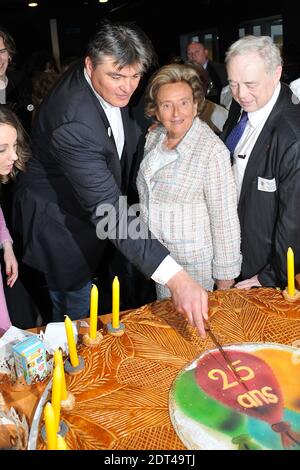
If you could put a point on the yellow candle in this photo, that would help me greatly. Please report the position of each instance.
(50, 427)
(116, 303)
(93, 312)
(61, 443)
(58, 362)
(71, 342)
(290, 272)
(56, 395)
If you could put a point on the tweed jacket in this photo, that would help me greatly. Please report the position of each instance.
(188, 198)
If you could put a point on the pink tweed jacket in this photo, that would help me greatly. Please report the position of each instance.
(188, 198)
(4, 233)
(4, 317)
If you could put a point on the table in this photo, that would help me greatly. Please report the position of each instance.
(122, 395)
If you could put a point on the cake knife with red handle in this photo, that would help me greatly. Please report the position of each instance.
(225, 356)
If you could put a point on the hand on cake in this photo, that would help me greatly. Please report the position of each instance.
(248, 283)
(190, 299)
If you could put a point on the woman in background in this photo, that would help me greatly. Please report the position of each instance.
(185, 182)
(14, 152)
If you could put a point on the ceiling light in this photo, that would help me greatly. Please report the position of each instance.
(103, 1)
(32, 4)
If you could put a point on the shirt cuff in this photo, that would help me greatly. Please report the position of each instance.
(167, 269)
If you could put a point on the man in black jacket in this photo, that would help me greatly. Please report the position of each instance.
(84, 143)
(266, 160)
(198, 53)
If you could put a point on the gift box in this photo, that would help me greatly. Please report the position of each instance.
(30, 359)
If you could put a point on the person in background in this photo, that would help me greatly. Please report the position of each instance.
(185, 182)
(263, 135)
(9, 79)
(68, 62)
(84, 144)
(38, 61)
(198, 53)
(212, 113)
(42, 83)
(14, 152)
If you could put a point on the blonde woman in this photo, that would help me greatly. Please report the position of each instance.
(13, 154)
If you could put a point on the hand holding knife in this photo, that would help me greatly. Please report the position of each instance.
(225, 356)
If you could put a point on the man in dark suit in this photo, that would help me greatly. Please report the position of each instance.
(83, 149)
(266, 161)
(198, 53)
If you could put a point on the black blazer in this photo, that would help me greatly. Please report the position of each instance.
(269, 218)
(73, 179)
(218, 79)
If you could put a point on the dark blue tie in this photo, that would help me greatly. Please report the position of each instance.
(236, 133)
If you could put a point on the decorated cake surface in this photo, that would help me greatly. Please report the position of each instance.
(259, 408)
(122, 395)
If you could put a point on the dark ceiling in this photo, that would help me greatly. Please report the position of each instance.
(163, 20)
(60, 6)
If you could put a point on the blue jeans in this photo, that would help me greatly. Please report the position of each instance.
(75, 303)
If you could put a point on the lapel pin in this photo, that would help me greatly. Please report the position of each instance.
(109, 132)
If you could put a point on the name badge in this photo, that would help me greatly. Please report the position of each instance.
(269, 186)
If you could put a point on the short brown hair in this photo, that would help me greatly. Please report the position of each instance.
(42, 83)
(23, 148)
(173, 73)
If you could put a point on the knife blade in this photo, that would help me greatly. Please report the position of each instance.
(225, 356)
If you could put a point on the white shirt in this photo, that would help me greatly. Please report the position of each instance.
(114, 117)
(3, 85)
(295, 87)
(254, 126)
(168, 267)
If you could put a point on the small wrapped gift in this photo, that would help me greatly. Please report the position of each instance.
(30, 359)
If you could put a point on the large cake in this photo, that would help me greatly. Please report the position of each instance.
(122, 395)
(259, 409)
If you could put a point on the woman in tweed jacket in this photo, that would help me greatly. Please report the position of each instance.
(185, 182)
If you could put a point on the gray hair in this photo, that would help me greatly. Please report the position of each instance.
(263, 45)
(127, 44)
(174, 73)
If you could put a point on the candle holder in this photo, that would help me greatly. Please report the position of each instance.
(92, 343)
(116, 331)
(74, 370)
(291, 298)
(62, 430)
(68, 404)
